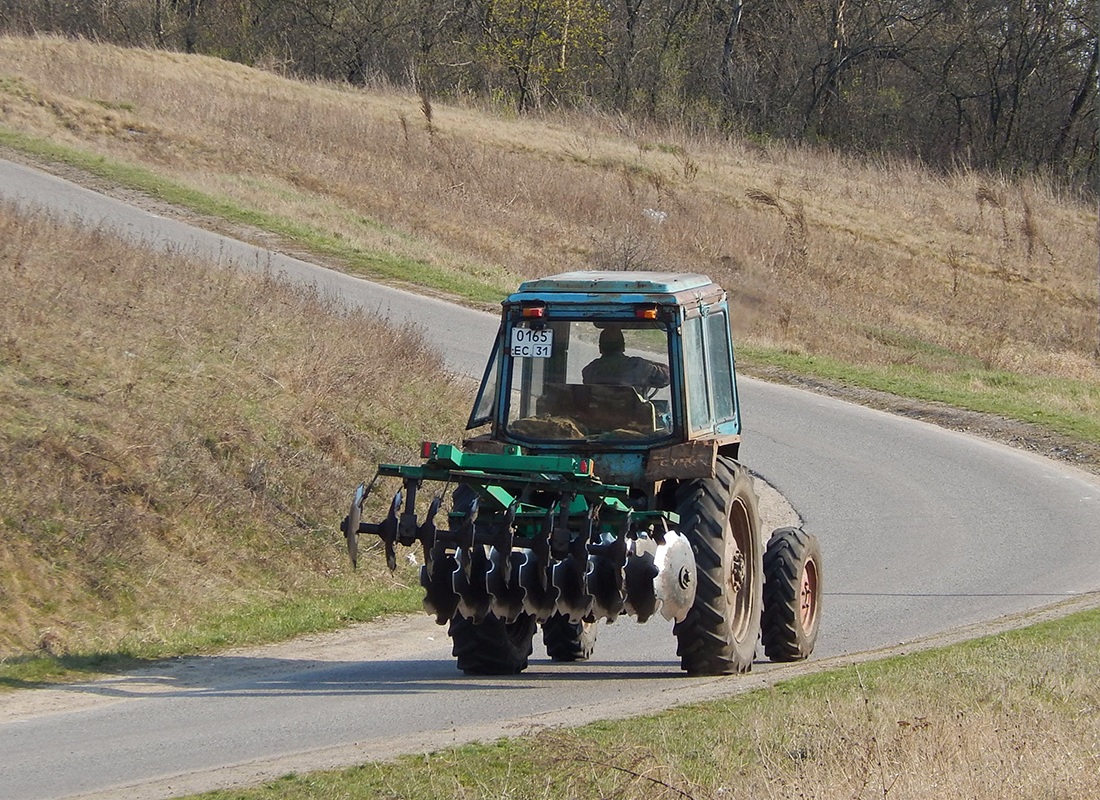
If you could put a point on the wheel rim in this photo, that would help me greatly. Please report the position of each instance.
(741, 576)
(808, 595)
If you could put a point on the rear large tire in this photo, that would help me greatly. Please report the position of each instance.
(792, 595)
(493, 646)
(566, 641)
(719, 517)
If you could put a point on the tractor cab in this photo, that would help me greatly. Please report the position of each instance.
(615, 363)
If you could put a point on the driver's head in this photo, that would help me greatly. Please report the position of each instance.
(611, 341)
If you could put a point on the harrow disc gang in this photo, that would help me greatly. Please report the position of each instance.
(581, 587)
(512, 559)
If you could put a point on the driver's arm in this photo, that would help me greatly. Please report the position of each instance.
(659, 375)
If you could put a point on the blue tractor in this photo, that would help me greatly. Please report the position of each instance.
(602, 479)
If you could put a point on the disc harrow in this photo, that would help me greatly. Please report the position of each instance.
(535, 535)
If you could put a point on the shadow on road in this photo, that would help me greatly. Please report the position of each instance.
(240, 676)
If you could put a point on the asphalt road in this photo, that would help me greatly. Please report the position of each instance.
(924, 530)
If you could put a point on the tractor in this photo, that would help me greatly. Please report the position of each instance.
(601, 478)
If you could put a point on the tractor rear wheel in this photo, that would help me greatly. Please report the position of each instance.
(719, 517)
(492, 646)
(567, 641)
(792, 594)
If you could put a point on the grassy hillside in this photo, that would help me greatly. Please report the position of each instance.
(178, 443)
(973, 289)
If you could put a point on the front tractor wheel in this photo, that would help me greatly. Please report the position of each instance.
(568, 641)
(492, 646)
(792, 594)
(719, 517)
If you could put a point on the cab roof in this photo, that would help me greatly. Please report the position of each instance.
(594, 282)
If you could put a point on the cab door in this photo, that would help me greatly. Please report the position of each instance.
(710, 390)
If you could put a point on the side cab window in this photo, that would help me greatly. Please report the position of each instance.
(708, 371)
(485, 403)
(719, 363)
(695, 375)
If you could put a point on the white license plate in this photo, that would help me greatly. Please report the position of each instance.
(530, 343)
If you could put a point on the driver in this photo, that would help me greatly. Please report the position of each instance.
(615, 368)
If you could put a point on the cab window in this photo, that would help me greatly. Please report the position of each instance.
(720, 371)
(698, 409)
(594, 381)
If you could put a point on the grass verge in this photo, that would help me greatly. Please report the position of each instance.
(260, 621)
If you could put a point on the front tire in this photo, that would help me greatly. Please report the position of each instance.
(566, 641)
(792, 595)
(719, 517)
(492, 646)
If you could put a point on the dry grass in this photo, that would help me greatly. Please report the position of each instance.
(870, 263)
(177, 438)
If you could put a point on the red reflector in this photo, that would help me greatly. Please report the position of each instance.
(584, 466)
(537, 312)
(427, 449)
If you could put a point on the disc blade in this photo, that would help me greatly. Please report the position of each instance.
(674, 585)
